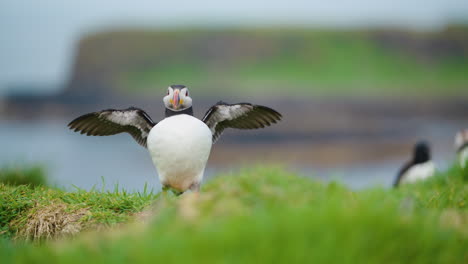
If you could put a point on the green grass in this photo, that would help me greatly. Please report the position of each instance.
(265, 215)
(18, 204)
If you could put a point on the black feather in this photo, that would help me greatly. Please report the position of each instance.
(240, 116)
(113, 121)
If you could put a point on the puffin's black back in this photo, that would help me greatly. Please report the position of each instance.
(422, 152)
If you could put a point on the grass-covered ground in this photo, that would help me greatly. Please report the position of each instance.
(260, 215)
(37, 213)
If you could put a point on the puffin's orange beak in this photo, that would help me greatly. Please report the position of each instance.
(175, 99)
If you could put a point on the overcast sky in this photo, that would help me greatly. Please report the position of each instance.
(38, 37)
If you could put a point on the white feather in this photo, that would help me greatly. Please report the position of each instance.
(122, 117)
(179, 147)
(234, 111)
(125, 118)
(418, 172)
(226, 112)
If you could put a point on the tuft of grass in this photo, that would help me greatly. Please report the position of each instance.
(270, 215)
(32, 176)
(40, 212)
(53, 220)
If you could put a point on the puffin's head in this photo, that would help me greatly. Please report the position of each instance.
(177, 98)
(422, 152)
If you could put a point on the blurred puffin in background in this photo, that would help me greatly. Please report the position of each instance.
(180, 144)
(420, 167)
(461, 146)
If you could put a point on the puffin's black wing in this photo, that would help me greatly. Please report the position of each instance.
(111, 121)
(241, 116)
(401, 172)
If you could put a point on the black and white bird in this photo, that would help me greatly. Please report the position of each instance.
(180, 144)
(461, 145)
(420, 167)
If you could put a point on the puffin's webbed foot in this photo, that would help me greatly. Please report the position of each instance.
(166, 188)
(195, 187)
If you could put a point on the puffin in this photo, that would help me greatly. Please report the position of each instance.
(420, 167)
(180, 144)
(461, 146)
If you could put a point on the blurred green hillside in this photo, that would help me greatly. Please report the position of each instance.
(274, 62)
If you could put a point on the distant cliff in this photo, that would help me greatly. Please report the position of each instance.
(273, 62)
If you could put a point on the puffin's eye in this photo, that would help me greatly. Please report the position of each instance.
(186, 93)
(167, 92)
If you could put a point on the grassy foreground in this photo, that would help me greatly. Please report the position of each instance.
(258, 215)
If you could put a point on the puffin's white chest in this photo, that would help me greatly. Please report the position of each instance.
(419, 172)
(463, 157)
(180, 146)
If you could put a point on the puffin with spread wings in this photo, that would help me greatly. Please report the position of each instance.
(180, 144)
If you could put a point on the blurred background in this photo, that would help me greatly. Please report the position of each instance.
(358, 82)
